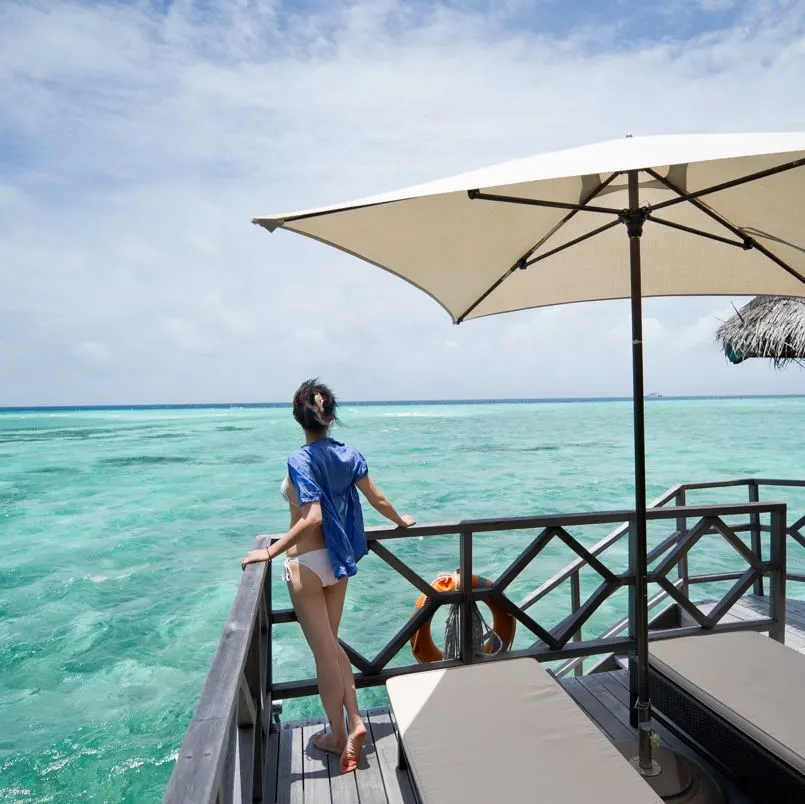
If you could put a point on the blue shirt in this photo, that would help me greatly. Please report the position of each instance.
(326, 472)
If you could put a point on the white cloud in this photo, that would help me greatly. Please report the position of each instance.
(137, 144)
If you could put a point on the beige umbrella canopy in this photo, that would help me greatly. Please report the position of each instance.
(768, 326)
(499, 239)
(685, 215)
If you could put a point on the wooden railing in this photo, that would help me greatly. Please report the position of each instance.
(222, 757)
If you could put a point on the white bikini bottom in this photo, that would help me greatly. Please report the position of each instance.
(316, 560)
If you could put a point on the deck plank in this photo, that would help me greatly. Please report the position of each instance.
(399, 788)
(795, 638)
(796, 608)
(595, 710)
(343, 788)
(706, 606)
(314, 762)
(297, 780)
(755, 606)
(397, 784)
(284, 763)
(272, 763)
(368, 777)
(615, 704)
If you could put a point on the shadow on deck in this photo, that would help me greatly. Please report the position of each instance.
(305, 775)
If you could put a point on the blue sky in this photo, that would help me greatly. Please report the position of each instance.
(137, 141)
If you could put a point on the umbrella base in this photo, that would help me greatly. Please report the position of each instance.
(679, 781)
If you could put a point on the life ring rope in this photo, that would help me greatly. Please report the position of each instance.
(492, 640)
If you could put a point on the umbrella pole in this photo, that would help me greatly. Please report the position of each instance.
(676, 778)
(635, 218)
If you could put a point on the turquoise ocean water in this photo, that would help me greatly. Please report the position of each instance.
(121, 533)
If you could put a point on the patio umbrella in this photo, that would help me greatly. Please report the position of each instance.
(768, 326)
(639, 216)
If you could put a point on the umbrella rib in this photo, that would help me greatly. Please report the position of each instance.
(570, 243)
(521, 263)
(304, 216)
(745, 244)
(477, 195)
(691, 198)
(727, 185)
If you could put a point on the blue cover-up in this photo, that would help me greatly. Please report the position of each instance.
(326, 472)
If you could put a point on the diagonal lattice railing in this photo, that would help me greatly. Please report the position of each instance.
(559, 641)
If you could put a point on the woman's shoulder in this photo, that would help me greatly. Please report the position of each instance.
(353, 459)
(346, 450)
(300, 456)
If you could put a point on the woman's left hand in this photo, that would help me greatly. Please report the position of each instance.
(253, 556)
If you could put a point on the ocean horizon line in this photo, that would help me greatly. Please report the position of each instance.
(387, 402)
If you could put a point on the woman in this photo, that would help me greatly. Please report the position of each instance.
(325, 541)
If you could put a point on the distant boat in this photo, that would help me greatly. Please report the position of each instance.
(654, 395)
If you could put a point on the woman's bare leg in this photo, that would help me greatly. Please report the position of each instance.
(307, 595)
(334, 598)
(356, 735)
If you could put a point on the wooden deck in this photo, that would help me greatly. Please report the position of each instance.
(305, 775)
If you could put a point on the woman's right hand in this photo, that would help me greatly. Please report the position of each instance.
(407, 521)
(255, 556)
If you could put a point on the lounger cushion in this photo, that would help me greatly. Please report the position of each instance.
(751, 681)
(506, 731)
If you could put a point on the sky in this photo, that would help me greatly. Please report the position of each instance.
(139, 139)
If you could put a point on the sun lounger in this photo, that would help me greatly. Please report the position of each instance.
(741, 695)
(505, 731)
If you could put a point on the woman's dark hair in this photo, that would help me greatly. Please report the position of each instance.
(314, 406)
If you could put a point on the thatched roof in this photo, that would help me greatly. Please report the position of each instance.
(768, 326)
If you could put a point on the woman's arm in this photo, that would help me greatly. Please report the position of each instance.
(309, 517)
(381, 503)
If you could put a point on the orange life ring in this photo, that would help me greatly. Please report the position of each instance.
(503, 624)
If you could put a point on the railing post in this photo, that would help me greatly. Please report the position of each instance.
(267, 677)
(575, 605)
(681, 529)
(465, 569)
(253, 676)
(633, 603)
(777, 580)
(754, 521)
(268, 704)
